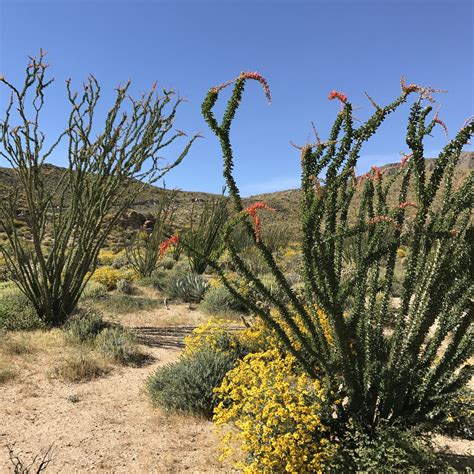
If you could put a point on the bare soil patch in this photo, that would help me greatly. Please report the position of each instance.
(106, 424)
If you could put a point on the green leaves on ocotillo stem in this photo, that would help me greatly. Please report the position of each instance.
(382, 351)
(107, 168)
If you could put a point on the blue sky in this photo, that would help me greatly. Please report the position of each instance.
(303, 48)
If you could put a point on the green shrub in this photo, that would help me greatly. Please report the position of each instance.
(85, 326)
(219, 300)
(460, 419)
(125, 287)
(109, 276)
(167, 263)
(189, 287)
(122, 304)
(119, 345)
(120, 261)
(188, 385)
(157, 280)
(388, 449)
(94, 290)
(16, 311)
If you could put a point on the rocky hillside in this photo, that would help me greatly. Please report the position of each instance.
(285, 202)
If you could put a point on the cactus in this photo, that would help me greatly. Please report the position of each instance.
(402, 375)
(106, 170)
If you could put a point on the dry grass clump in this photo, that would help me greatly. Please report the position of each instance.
(6, 373)
(15, 344)
(81, 366)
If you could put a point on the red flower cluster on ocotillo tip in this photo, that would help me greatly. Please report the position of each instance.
(406, 204)
(377, 219)
(256, 76)
(425, 92)
(440, 122)
(252, 212)
(337, 95)
(173, 240)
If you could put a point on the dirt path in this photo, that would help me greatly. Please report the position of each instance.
(111, 428)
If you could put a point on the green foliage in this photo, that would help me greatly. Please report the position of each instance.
(201, 240)
(188, 385)
(407, 374)
(120, 345)
(94, 290)
(16, 311)
(116, 303)
(124, 287)
(189, 287)
(219, 300)
(84, 326)
(107, 167)
(460, 419)
(388, 449)
(144, 250)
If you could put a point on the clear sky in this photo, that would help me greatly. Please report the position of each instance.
(303, 48)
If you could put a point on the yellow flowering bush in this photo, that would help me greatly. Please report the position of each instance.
(273, 414)
(219, 335)
(109, 276)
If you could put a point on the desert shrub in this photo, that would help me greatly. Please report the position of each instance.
(109, 276)
(188, 384)
(84, 326)
(189, 287)
(219, 335)
(14, 346)
(94, 290)
(80, 367)
(460, 416)
(219, 300)
(16, 311)
(120, 261)
(157, 280)
(125, 287)
(274, 414)
(119, 345)
(122, 304)
(37, 464)
(167, 263)
(388, 449)
(106, 257)
(6, 374)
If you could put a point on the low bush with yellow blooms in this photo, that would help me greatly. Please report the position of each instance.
(270, 415)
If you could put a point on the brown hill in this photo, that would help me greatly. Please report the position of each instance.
(285, 202)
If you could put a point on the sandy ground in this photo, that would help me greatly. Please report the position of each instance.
(113, 427)
(110, 425)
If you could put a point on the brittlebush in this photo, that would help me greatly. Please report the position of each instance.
(274, 414)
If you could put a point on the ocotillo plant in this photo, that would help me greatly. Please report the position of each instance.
(202, 239)
(403, 374)
(144, 251)
(106, 169)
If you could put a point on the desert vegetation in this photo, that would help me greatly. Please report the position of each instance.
(333, 337)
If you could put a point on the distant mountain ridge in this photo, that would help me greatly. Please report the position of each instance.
(285, 202)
